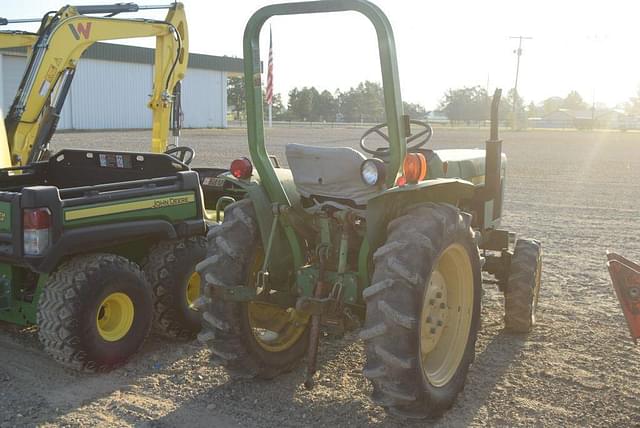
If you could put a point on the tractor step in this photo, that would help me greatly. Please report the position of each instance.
(625, 276)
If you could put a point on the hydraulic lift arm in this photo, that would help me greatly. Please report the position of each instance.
(62, 40)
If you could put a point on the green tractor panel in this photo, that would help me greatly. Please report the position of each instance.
(391, 238)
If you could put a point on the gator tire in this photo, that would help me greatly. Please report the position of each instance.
(406, 271)
(226, 329)
(72, 307)
(523, 287)
(169, 267)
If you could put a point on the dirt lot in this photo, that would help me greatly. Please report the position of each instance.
(578, 192)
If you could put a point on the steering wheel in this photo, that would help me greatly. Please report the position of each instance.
(421, 137)
(183, 153)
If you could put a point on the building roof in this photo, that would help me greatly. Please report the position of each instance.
(586, 114)
(140, 55)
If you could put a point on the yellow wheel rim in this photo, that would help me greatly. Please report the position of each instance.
(274, 328)
(445, 319)
(115, 317)
(193, 288)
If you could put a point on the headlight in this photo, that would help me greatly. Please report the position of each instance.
(372, 172)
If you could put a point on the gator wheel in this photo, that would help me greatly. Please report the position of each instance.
(95, 312)
(523, 286)
(423, 311)
(170, 268)
(249, 339)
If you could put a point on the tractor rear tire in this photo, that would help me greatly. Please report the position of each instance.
(423, 311)
(95, 312)
(170, 268)
(226, 326)
(523, 286)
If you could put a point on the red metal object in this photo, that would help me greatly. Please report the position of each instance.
(625, 276)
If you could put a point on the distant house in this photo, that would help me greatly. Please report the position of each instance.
(436, 116)
(587, 119)
(561, 118)
(616, 119)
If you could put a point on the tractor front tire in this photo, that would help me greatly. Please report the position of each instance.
(423, 311)
(523, 286)
(237, 333)
(95, 312)
(170, 268)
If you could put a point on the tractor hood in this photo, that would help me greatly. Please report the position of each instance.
(467, 164)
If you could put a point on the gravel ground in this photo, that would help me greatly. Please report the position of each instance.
(577, 192)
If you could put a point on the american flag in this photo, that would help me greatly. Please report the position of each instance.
(270, 71)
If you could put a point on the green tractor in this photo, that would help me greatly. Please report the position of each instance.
(395, 240)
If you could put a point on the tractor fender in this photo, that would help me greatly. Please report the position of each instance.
(97, 237)
(392, 203)
(285, 262)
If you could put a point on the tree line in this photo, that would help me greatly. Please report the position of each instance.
(363, 103)
(474, 104)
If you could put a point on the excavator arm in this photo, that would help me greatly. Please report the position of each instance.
(62, 40)
(17, 39)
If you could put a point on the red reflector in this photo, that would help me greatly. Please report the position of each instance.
(36, 218)
(415, 167)
(241, 168)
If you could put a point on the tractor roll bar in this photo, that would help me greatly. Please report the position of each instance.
(253, 83)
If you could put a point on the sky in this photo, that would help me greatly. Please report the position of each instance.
(588, 46)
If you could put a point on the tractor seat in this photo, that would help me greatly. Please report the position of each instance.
(329, 173)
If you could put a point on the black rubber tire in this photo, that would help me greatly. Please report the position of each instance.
(523, 287)
(68, 307)
(225, 325)
(168, 267)
(402, 272)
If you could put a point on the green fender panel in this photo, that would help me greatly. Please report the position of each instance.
(285, 259)
(395, 201)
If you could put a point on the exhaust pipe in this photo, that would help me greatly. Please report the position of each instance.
(493, 154)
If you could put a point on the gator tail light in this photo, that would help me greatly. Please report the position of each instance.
(241, 168)
(415, 167)
(36, 224)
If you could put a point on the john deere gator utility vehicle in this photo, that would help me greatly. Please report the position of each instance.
(97, 246)
(395, 237)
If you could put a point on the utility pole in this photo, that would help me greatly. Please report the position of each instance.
(515, 86)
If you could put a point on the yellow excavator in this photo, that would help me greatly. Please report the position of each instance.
(61, 40)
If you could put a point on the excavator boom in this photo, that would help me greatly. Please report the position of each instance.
(62, 39)
(17, 39)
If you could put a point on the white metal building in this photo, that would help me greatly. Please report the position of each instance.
(112, 84)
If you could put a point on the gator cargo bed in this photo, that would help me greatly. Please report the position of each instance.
(97, 199)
